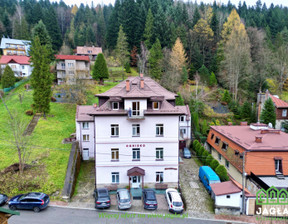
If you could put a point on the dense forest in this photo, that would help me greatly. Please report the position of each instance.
(243, 49)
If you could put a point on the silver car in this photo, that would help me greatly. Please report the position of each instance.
(123, 199)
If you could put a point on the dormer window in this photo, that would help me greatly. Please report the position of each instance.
(155, 105)
(115, 105)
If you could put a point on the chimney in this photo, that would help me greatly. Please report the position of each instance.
(142, 83)
(229, 123)
(243, 123)
(127, 85)
(141, 75)
(258, 139)
(95, 105)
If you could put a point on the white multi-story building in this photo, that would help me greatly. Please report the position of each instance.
(133, 134)
(19, 64)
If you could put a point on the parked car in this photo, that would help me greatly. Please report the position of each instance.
(149, 199)
(174, 201)
(3, 199)
(186, 153)
(102, 198)
(34, 201)
(123, 199)
(207, 176)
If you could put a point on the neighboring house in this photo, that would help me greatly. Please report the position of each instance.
(228, 197)
(266, 154)
(133, 135)
(15, 47)
(92, 52)
(19, 64)
(281, 107)
(71, 68)
(5, 214)
(184, 126)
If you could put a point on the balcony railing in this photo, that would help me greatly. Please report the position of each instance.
(135, 114)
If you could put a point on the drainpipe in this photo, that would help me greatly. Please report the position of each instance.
(94, 145)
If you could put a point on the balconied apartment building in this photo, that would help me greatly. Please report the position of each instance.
(265, 149)
(133, 134)
(91, 52)
(20, 65)
(15, 47)
(71, 68)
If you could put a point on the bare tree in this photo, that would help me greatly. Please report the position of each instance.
(143, 59)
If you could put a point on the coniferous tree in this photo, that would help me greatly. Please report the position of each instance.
(122, 52)
(100, 69)
(7, 24)
(41, 78)
(8, 77)
(204, 74)
(148, 32)
(268, 114)
(246, 111)
(196, 16)
(212, 80)
(184, 75)
(155, 59)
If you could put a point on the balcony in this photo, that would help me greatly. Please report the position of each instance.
(135, 114)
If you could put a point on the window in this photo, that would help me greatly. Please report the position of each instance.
(63, 65)
(136, 154)
(227, 196)
(182, 118)
(284, 113)
(159, 129)
(71, 73)
(135, 130)
(241, 156)
(159, 153)
(219, 156)
(224, 146)
(70, 65)
(115, 178)
(23, 66)
(114, 154)
(155, 105)
(115, 130)
(85, 125)
(217, 140)
(278, 166)
(227, 163)
(212, 136)
(236, 152)
(135, 108)
(183, 131)
(86, 138)
(159, 177)
(115, 106)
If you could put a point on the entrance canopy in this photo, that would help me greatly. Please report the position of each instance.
(136, 171)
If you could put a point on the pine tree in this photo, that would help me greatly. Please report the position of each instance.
(212, 80)
(100, 69)
(122, 52)
(204, 74)
(268, 114)
(246, 111)
(196, 17)
(179, 100)
(155, 59)
(41, 78)
(184, 75)
(226, 97)
(148, 32)
(8, 78)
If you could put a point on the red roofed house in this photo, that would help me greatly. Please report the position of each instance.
(19, 64)
(71, 68)
(92, 52)
(228, 197)
(266, 154)
(281, 107)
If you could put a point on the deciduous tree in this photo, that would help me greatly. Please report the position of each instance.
(178, 56)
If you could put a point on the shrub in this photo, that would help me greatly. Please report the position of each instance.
(32, 105)
(8, 78)
(222, 173)
(204, 156)
(127, 67)
(214, 164)
(53, 99)
(208, 160)
(200, 151)
(226, 97)
(29, 112)
(203, 139)
(195, 143)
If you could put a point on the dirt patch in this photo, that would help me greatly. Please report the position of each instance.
(14, 168)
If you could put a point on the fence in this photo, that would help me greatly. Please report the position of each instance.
(16, 85)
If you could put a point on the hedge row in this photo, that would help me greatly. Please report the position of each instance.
(207, 159)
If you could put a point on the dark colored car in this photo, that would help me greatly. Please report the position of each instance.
(149, 199)
(34, 201)
(3, 199)
(186, 153)
(102, 198)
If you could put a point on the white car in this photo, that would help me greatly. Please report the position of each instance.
(174, 201)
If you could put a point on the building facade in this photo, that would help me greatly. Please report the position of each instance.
(133, 135)
(15, 47)
(71, 68)
(265, 149)
(91, 52)
(19, 64)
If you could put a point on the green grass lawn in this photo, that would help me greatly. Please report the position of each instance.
(285, 96)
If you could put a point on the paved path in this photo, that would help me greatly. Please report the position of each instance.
(54, 215)
(198, 201)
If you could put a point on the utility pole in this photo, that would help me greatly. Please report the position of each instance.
(243, 183)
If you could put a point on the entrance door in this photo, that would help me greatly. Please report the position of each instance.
(85, 154)
(135, 181)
